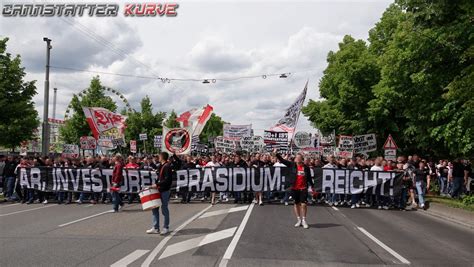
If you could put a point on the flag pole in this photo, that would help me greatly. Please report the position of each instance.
(298, 118)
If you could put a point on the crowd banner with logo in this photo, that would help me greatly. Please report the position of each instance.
(133, 146)
(252, 143)
(220, 179)
(302, 140)
(290, 119)
(224, 145)
(101, 120)
(107, 126)
(70, 151)
(236, 132)
(88, 143)
(276, 140)
(157, 141)
(365, 143)
(176, 140)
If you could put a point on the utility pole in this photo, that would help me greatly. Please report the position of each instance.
(45, 133)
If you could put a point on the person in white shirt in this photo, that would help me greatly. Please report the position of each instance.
(213, 163)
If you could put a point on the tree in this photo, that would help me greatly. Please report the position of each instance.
(171, 122)
(214, 127)
(346, 88)
(18, 117)
(77, 126)
(144, 121)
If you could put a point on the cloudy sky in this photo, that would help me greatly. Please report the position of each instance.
(212, 39)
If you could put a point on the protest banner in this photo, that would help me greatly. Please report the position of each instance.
(345, 148)
(236, 132)
(70, 151)
(88, 143)
(219, 179)
(252, 144)
(176, 140)
(143, 137)
(302, 139)
(224, 145)
(276, 140)
(365, 143)
(133, 146)
(328, 140)
(328, 151)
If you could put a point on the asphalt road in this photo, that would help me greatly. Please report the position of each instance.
(228, 235)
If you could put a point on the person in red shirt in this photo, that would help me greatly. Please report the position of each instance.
(117, 179)
(299, 188)
(132, 164)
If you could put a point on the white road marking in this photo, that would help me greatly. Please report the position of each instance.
(334, 208)
(21, 211)
(130, 258)
(197, 242)
(9, 205)
(387, 248)
(85, 218)
(163, 242)
(223, 211)
(230, 249)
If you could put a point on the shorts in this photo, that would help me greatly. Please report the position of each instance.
(300, 196)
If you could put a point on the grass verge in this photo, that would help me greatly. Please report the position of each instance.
(450, 202)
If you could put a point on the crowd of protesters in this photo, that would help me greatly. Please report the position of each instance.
(451, 178)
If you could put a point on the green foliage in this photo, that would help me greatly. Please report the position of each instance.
(171, 122)
(414, 81)
(77, 126)
(144, 121)
(18, 117)
(214, 127)
(346, 86)
(468, 200)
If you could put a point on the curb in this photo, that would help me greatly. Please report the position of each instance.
(444, 216)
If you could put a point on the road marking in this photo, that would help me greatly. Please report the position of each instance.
(334, 208)
(163, 242)
(197, 242)
(223, 211)
(130, 258)
(387, 248)
(85, 218)
(9, 205)
(21, 211)
(230, 249)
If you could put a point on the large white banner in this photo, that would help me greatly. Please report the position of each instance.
(236, 132)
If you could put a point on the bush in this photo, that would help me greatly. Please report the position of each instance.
(468, 200)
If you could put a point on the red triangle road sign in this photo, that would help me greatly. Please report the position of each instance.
(390, 143)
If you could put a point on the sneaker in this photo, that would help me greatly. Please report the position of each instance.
(379, 207)
(152, 231)
(385, 207)
(164, 231)
(121, 206)
(254, 201)
(422, 206)
(357, 205)
(305, 225)
(93, 202)
(298, 223)
(286, 203)
(78, 201)
(353, 206)
(367, 205)
(45, 201)
(260, 203)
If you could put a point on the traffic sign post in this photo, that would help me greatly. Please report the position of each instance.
(390, 148)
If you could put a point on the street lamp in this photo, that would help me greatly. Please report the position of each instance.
(45, 132)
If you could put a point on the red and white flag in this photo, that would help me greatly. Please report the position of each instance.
(101, 120)
(196, 119)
